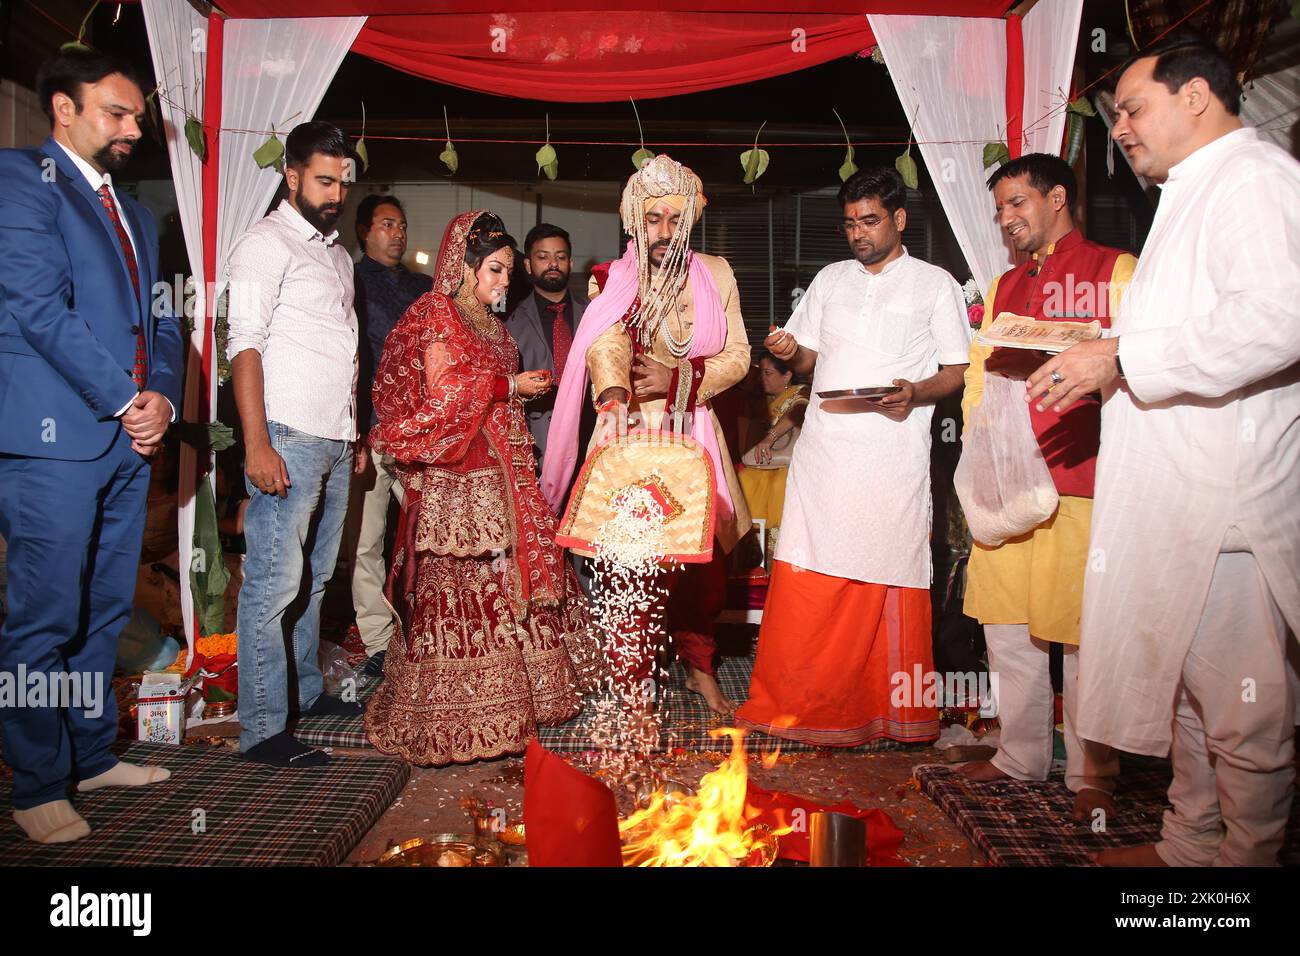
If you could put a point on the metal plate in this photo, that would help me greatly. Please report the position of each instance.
(428, 852)
(874, 391)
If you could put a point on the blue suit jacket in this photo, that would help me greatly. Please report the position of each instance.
(68, 312)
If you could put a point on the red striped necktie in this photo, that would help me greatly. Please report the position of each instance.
(141, 371)
(561, 338)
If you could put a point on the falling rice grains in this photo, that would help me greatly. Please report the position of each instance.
(628, 563)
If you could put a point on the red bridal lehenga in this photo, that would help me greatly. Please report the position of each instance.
(493, 633)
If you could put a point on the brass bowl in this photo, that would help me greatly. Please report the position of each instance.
(512, 835)
(443, 850)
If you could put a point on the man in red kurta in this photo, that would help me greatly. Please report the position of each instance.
(1028, 591)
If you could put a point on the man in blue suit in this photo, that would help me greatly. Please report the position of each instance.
(90, 378)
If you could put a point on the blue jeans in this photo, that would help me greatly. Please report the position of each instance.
(292, 546)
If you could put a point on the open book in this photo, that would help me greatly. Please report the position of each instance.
(1013, 331)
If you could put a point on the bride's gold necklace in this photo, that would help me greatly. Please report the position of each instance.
(477, 313)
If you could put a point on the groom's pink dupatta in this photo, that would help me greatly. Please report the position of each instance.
(608, 308)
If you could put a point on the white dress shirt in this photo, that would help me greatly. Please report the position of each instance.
(857, 504)
(291, 301)
(1200, 444)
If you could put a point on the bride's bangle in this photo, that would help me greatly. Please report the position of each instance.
(514, 389)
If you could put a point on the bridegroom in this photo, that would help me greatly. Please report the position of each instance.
(89, 380)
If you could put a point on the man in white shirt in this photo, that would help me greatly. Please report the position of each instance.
(293, 354)
(848, 609)
(1196, 531)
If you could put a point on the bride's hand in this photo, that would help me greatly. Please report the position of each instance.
(532, 384)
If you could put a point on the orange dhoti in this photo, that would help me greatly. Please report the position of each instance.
(828, 654)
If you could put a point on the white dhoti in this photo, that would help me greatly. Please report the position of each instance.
(1233, 732)
(1026, 712)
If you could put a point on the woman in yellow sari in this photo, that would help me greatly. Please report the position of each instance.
(763, 477)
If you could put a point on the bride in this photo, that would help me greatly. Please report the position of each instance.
(493, 633)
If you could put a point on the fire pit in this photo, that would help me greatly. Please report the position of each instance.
(703, 828)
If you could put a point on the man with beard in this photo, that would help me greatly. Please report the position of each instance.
(293, 358)
(846, 631)
(90, 376)
(384, 290)
(542, 324)
(663, 335)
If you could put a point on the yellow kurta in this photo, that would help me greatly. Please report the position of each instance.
(765, 487)
(1036, 579)
(609, 362)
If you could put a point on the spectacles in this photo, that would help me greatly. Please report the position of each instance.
(849, 226)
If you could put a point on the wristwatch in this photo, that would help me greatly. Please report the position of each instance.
(1119, 366)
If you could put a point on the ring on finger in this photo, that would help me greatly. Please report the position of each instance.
(1056, 377)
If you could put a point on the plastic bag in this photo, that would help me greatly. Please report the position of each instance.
(339, 676)
(1002, 480)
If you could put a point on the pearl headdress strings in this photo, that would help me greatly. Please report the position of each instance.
(657, 178)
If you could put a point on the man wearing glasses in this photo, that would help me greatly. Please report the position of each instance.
(845, 640)
(384, 290)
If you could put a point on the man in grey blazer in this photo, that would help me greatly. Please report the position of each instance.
(543, 322)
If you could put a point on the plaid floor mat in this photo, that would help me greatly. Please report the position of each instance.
(338, 731)
(687, 726)
(253, 815)
(1028, 824)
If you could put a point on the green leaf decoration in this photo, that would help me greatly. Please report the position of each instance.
(754, 161)
(906, 167)
(1073, 137)
(194, 136)
(208, 574)
(849, 167)
(640, 157)
(270, 153)
(905, 164)
(547, 161)
(363, 154)
(546, 158)
(449, 158)
(1081, 107)
(77, 44)
(996, 153)
(448, 154)
(220, 436)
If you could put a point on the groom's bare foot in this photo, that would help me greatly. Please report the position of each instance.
(982, 771)
(1144, 855)
(706, 685)
(1090, 799)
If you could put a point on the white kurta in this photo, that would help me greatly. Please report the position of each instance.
(857, 503)
(1203, 436)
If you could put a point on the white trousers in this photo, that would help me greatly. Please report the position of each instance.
(1026, 715)
(369, 569)
(1233, 734)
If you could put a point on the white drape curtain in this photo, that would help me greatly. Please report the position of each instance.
(950, 73)
(1051, 32)
(177, 41)
(274, 75)
(1272, 106)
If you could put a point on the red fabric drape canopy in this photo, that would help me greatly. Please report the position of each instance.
(563, 53)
